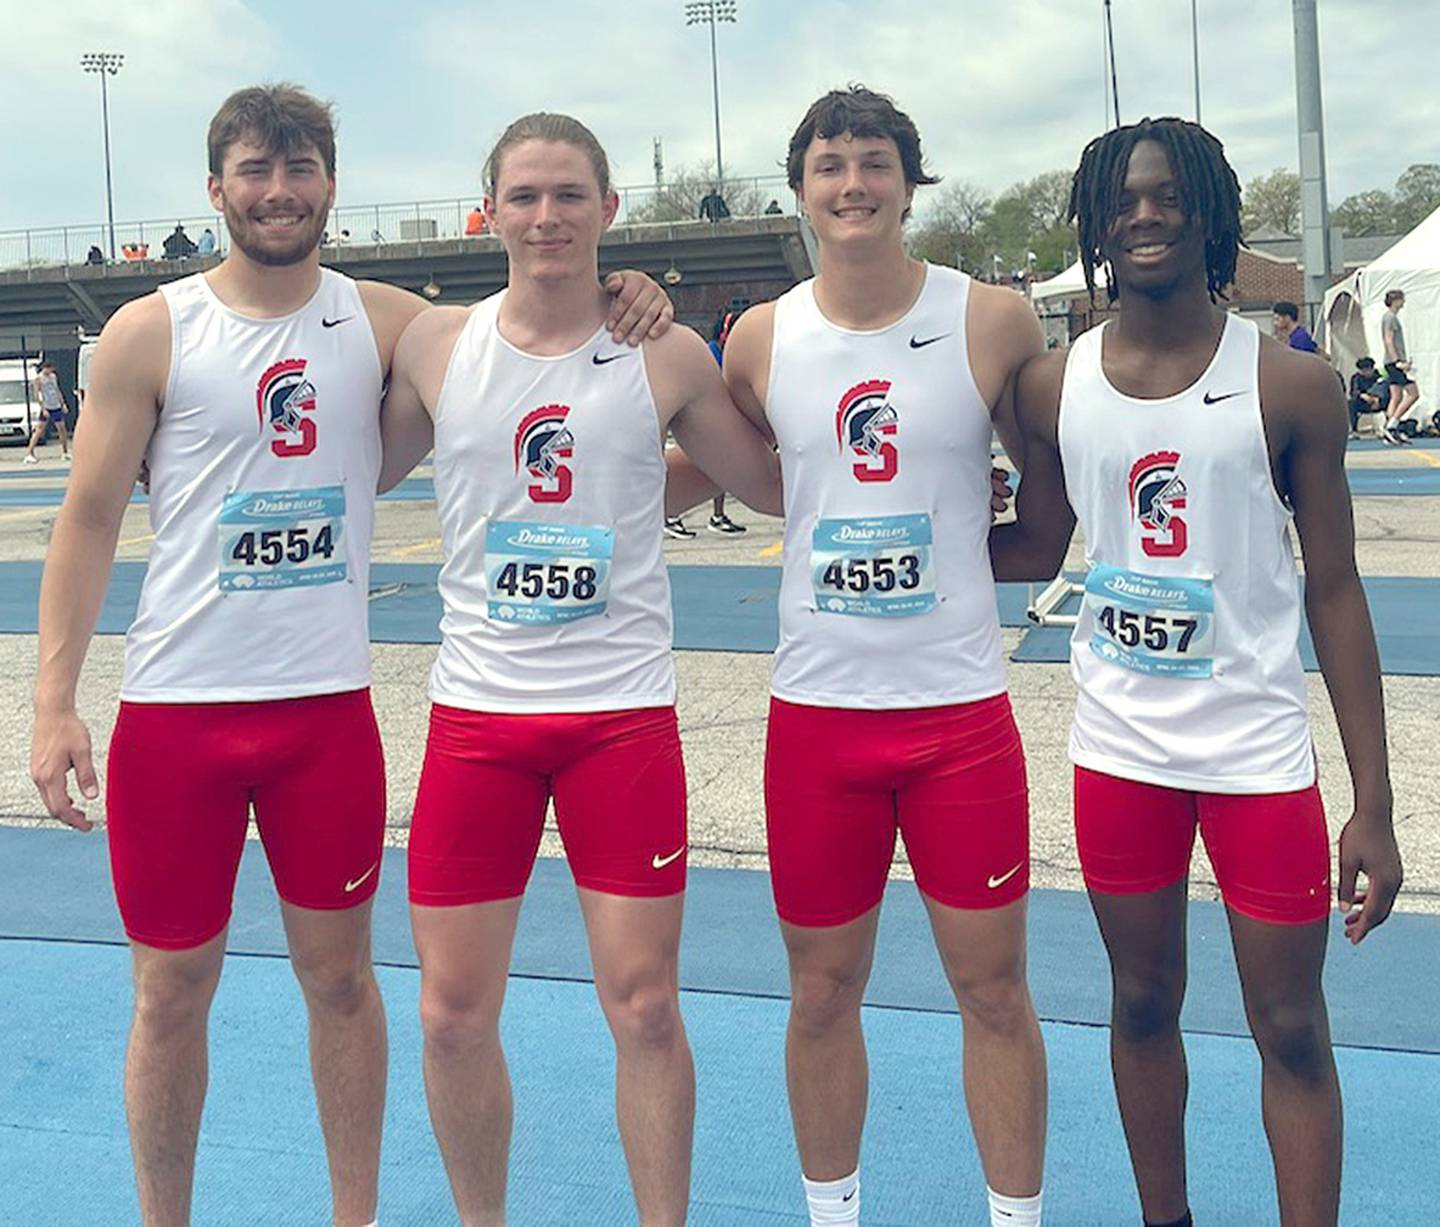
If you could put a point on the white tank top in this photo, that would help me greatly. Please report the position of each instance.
(1185, 652)
(550, 480)
(263, 467)
(887, 599)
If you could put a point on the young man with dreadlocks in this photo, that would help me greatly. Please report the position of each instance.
(1186, 442)
(882, 380)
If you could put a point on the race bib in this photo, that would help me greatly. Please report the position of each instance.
(271, 539)
(543, 574)
(876, 567)
(1152, 625)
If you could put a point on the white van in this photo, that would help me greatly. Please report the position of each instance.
(14, 395)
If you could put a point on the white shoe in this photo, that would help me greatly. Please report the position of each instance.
(30, 460)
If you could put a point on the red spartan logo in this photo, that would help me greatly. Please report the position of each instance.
(863, 424)
(542, 442)
(285, 398)
(1157, 493)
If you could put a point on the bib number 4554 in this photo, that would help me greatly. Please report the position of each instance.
(271, 547)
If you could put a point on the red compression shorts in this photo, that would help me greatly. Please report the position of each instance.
(180, 783)
(1270, 851)
(840, 782)
(618, 780)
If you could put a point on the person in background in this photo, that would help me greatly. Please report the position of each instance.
(178, 245)
(475, 222)
(1404, 392)
(1369, 393)
(719, 521)
(94, 255)
(206, 245)
(52, 412)
(1288, 328)
(773, 208)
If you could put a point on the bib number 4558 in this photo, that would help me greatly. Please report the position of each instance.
(556, 580)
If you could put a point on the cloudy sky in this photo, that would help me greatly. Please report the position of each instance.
(1001, 89)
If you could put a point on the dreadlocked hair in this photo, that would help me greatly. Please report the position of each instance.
(1209, 195)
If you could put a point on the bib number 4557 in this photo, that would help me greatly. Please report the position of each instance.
(1156, 632)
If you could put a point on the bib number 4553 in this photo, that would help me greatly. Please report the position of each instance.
(880, 573)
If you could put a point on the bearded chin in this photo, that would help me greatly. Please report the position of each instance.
(304, 242)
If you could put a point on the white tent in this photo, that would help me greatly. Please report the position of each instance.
(1063, 285)
(1353, 308)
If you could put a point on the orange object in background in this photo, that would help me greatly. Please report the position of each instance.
(474, 222)
(135, 251)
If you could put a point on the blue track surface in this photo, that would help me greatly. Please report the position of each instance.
(65, 1010)
(716, 608)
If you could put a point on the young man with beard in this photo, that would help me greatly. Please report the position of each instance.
(555, 677)
(253, 393)
(1186, 442)
(882, 380)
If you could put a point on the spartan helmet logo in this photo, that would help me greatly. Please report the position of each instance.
(542, 445)
(1157, 494)
(285, 401)
(865, 425)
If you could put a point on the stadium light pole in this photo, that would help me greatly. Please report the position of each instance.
(1314, 206)
(107, 64)
(1195, 50)
(710, 13)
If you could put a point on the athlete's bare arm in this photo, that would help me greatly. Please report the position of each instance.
(407, 422)
(1305, 427)
(1002, 334)
(127, 382)
(639, 307)
(716, 439)
(1034, 545)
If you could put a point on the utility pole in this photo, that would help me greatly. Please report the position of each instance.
(107, 64)
(1314, 206)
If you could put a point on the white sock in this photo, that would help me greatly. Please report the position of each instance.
(1014, 1211)
(833, 1201)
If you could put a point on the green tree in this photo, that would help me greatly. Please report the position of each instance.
(1272, 200)
(1371, 212)
(679, 199)
(1028, 218)
(1417, 195)
(947, 229)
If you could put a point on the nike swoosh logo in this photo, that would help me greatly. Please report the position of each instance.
(355, 885)
(850, 1195)
(659, 862)
(1210, 400)
(917, 343)
(995, 883)
(599, 361)
(324, 323)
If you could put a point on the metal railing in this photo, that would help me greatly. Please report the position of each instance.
(404, 222)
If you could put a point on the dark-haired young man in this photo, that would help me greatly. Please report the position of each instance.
(1285, 319)
(882, 380)
(253, 393)
(1185, 443)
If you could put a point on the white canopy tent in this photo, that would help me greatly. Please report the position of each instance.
(1063, 285)
(1353, 308)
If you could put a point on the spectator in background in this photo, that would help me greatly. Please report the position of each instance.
(94, 255)
(178, 245)
(1403, 390)
(1287, 328)
(376, 236)
(206, 245)
(52, 412)
(774, 207)
(712, 205)
(1369, 393)
(475, 222)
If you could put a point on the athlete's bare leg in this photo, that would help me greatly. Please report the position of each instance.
(1280, 971)
(983, 951)
(166, 1070)
(330, 952)
(635, 948)
(1145, 937)
(825, 1063)
(464, 959)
